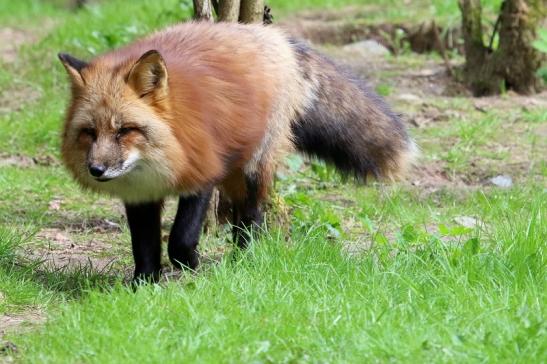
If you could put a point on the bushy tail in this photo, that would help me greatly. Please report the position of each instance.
(348, 125)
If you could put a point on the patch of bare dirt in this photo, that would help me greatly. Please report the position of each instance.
(339, 32)
(11, 39)
(541, 131)
(337, 14)
(17, 321)
(428, 114)
(16, 97)
(431, 79)
(510, 101)
(58, 248)
(352, 24)
(24, 161)
(433, 176)
(95, 225)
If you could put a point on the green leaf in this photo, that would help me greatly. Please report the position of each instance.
(381, 239)
(457, 230)
(444, 230)
(471, 246)
(409, 234)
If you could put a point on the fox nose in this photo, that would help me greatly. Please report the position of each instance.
(97, 170)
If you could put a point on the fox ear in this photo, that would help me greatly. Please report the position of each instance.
(74, 68)
(149, 75)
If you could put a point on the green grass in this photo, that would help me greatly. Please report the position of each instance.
(305, 300)
(13, 13)
(354, 274)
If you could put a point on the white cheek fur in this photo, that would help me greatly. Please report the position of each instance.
(128, 165)
(138, 180)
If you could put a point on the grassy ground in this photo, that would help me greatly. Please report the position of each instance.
(443, 268)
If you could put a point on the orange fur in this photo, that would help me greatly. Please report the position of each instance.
(209, 104)
(216, 106)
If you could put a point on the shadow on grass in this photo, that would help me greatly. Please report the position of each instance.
(70, 280)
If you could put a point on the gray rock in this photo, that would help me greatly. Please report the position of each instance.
(367, 48)
(468, 221)
(502, 181)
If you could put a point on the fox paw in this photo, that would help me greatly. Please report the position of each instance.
(186, 260)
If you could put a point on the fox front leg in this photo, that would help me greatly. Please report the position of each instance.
(145, 226)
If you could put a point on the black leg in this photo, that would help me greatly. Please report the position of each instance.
(145, 226)
(247, 215)
(184, 238)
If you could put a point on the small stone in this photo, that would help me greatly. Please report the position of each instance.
(468, 221)
(55, 204)
(502, 181)
(409, 97)
(367, 48)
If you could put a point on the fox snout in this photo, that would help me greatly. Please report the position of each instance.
(96, 170)
(106, 159)
(104, 164)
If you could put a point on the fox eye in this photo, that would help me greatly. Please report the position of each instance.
(125, 130)
(89, 132)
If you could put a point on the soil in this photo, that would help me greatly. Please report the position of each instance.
(17, 96)
(23, 161)
(17, 321)
(352, 24)
(11, 41)
(59, 248)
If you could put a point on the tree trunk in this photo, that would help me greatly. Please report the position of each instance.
(514, 63)
(79, 3)
(478, 71)
(228, 10)
(203, 10)
(517, 58)
(251, 11)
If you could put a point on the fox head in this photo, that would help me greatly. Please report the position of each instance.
(115, 139)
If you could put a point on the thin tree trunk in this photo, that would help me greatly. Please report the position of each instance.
(516, 57)
(80, 3)
(472, 29)
(251, 11)
(211, 219)
(478, 70)
(514, 63)
(228, 10)
(203, 10)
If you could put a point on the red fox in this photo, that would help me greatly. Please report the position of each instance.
(199, 105)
